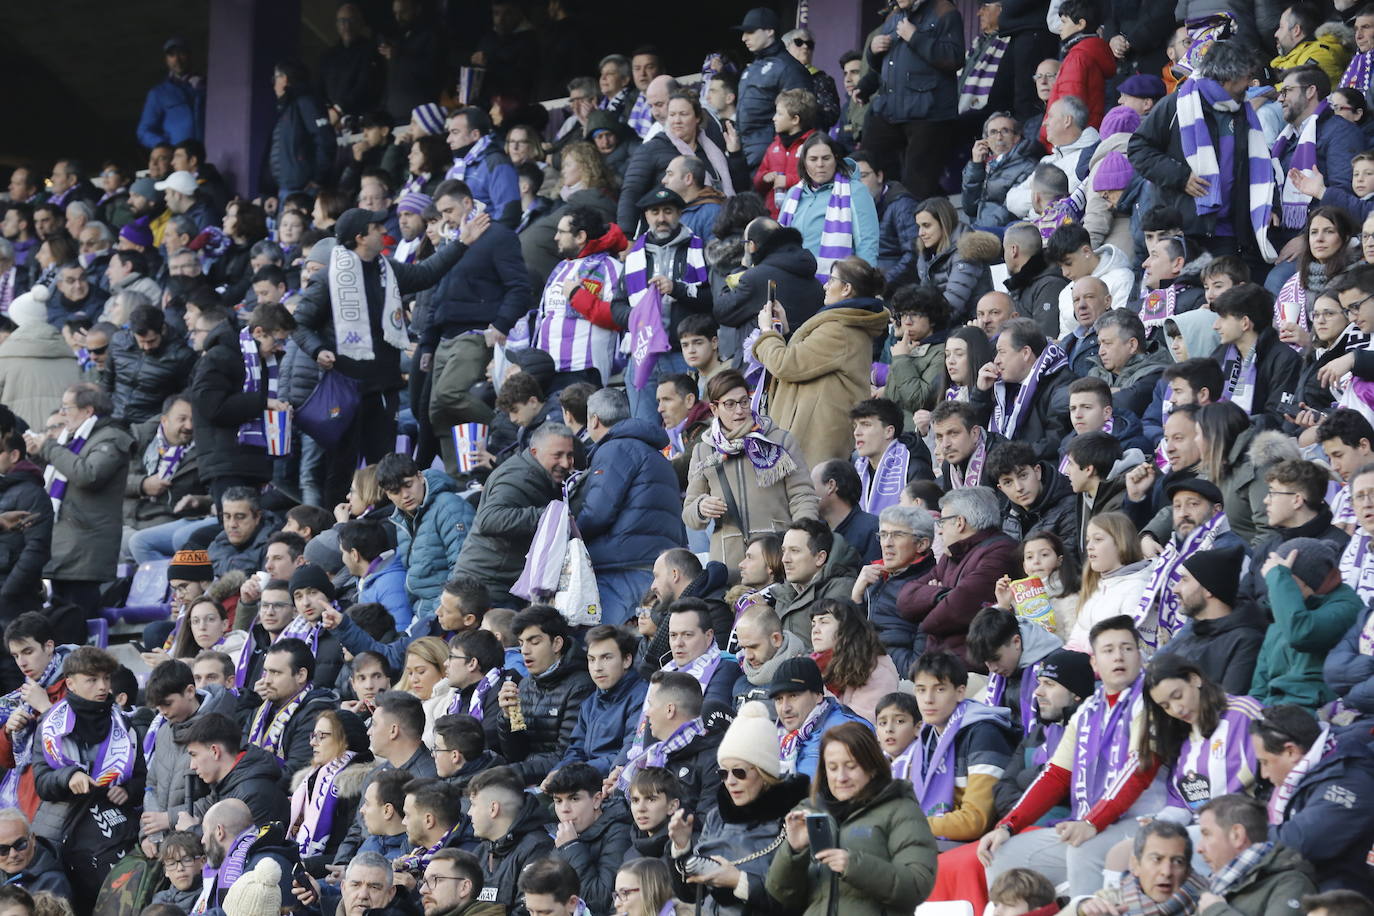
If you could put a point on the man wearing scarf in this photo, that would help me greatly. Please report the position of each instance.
(1322, 806)
(884, 457)
(1360, 74)
(1024, 392)
(89, 773)
(433, 812)
(1357, 562)
(1011, 648)
(1161, 880)
(805, 713)
(480, 163)
(164, 474)
(582, 284)
(679, 740)
(281, 725)
(30, 642)
(962, 444)
(695, 652)
(234, 846)
(1251, 874)
(1098, 766)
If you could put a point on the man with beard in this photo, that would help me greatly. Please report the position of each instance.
(290, 705)
(234, 846)
(671, 259)
(678, 573)
(686, 417)
(763, 645)
(163, 493)
(1223, 633)
(905, 535)
(583, 350)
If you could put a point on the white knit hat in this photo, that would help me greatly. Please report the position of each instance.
(753, 738)
(30, 308)
(257, 893)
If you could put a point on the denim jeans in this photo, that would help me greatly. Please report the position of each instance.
(644, 401)
(161, 541)
(620, 591)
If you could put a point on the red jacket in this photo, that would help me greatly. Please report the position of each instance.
(587, 300)
(1088, 64)
(28, 792)
(965, 580)
(778, 158)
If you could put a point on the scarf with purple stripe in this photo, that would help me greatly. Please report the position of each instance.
(313, 805)
(163, 458)
(1026, 709)
(1357, 567)
(267, 727)
(1217, 166)
(254, 432)
(980, 72)
(304, 630)
(1294, 202)
(217, 881)
(1284, 792)
(790, 743)
(641, 117)
(22, 740)
(1103, 753)
(114, 758)
(1053, 733)
(648, 335)
(1158, 306)
(418, 859)
(460, 166)
(473, 707)
(934, 782)
(1064, 462)
(883, 488)
(1006, 421)
(657, 754)
(902, 763)
(55, 480)
(973, 468)
(702, 669)
(1291, 305)
(1167, 569)
(1240, 380)
(1357, 75)
(837, 234)
(770, 461)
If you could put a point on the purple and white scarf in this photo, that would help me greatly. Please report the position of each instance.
(22, 740)
(902, 763)
(1159, 596)
(657, 754)
(1239, 387)
(1295, 203)
(641, 116)
(973, 468)
(215, 882)
(460, 166)
(114, 759)
(163, 458)
(837, 235)
(648, 335)
(979, 74)
(1357, 566)
(1103, 754)
(1158, 305)
(1007, 421)
(1106, 428)
(1291, 305)
(790, 742)
(266, 730)
(254, 432)
(770, 461)
(883, 488)
(1357, 75)
(934, 784)
(302, 628)
(7, 284)
(55, 480)
(1026, 708)
(418, 859)
(1284, 792)
(1208, 163)
(313, 805)
(473, 707)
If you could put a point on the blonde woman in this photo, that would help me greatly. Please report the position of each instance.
(424, 667)
(1114, 574)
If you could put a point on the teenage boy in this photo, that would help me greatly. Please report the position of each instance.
(475, 669)
(460, 751)
(593, 833)
(959, 753)
(885, 456)
(1087, 60)
(1221, 274)
(655, 793)
(31, 645)
(1260, 373)
(1091, 410)
(1038, 497)
(1011, 648)
(1071, 248)
(1347, 438)
(607, 720)
(699, 337)
(1097, 765)
(1093, 465)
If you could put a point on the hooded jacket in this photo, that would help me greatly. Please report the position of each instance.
(255, 779)
(835, 580)
(1243, 485)
(1225, 649)
(965, 575)
(740, 832)
(86, 535)
(606, 723)
(502, 860)
(1304, 631)
(1071, 158)
(24, 551)
(1037, 644)
(1117, 592)
(45, 871)
(982, 749)
(626, 503)
(550, 703)
(168, 765)
(36, 366)
(1035, 289)
(985, 186)
(780, 259)
(431, 540)
(1278, 370)
(816, 375)
(173, 111)
(1330, 818)
(140, 380)
(513, 500)
(1055, 510)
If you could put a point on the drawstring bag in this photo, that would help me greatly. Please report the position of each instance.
(329, 411)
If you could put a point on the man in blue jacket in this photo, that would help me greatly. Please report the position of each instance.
(771, 71)
(608, 718)
(174, 109)
(624, 504)
(303, 146)
(805, 712)
(474, 307)
(479, 162)
(381, 574)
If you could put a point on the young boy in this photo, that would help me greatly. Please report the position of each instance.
(522, 401)
(959, 753)
(655, 793)
(1091, 458)
(1359, 204)
(1052, 205)
(1011, 648)
(794, 118)
(1088, 61)
(1022, 892)
(182, 856)
(1220, 274)
(1039, 498)
(897, 718)
(593, 834)
(700, 348)
(501, 621)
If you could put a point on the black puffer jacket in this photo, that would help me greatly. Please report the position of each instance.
(24, 551)
(1035, 289)
(503, 860)
(1056, 510)
(295, 737)
(781, 259)
(550, 703)
(220, 406)
(915, 79)
(141, 379)
(255, 780)
(298, 375)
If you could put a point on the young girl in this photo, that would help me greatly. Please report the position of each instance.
(1043, 556)
(1113, 575)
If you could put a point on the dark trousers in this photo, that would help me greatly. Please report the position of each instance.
(83, 594)
(915, 150)
(371, 436)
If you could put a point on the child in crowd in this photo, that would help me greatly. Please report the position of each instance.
(182, 856)
(1022, 892)
(655, 793)
(701, 348)
(794, 119)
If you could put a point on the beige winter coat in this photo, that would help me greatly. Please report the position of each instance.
(36, 366)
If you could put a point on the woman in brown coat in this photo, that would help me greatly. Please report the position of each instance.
(746, 473)
(824, 370)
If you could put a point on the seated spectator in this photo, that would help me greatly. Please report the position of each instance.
(1071, 248)
(183, 857)
(164, 490)
(905, 535)
(340, 760)
(1039, 498)
(1337, 903)
(593, 834)
(473, 670)
(425, 661)
(845, 645)
(999, 163)
(608, 718)
(839, 488)
(962, 440)
(234, 848)
(1161, 872)
(1224, 631)
(1036, 411)
(433, 817)
(679, 574)
(1097, 469)
(1261, 372)
(1067, 131)
(231, 769)
(243, 542)
(1091, 410)
(460, 753)
(678, 738)
(805, 712)
(451, 884)
(551, 885)
(1106, 780)
(1113, 575)
(367, 555)
(817, 566)
(1295, 507)
(916, 376)
(1321, 782)
(977, 555)
(1249, 873)
(512, 827)
(1011, 648)
(32, 862)
(1312, 611)
(1025, 891)
(313, 594)
(382, 812)
(762, 645)
(1123, 362)
(431, 521)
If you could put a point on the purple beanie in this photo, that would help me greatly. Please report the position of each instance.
(1120, 120)
(138, 234)
(414, 202)
(1114, 172)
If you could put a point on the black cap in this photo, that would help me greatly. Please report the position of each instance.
(176, 41)
(1202, 487)
(660, 197)
(311, 576)
(1218, 571)
(354, 223)
(795, 675)
(1071, 669)
(760, 17)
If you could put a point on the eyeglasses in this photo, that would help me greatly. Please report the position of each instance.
(740, 773)
(1045, 77)
(887, 537)
(625, 894)
(1341, 109)
(459, 658)
(732, 403)
(18, 845)
(186, 862)
(1354, 307)
(97, 351)
(433, 880)
(321, 736)
(1281, 493)
(946, 518)
(1363, 498)
(276, 606)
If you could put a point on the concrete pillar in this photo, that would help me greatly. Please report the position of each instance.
(246, 38)
(839, 26)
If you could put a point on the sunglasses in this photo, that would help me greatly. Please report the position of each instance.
(803, 43)
(740, 773)
(97, 351)
(18, 845)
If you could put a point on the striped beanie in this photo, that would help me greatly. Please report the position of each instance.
(413, 202)
(430, 116)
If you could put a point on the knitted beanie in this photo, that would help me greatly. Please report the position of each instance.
(256, 893)
(1120, 120)
(1314, 562)
(753, 738)
(1114, 172)
(430, 116)
(309, 576)
(413, 202)
(191, 565)
(30, 308)
(1218, 571)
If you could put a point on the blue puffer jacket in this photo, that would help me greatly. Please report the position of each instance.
(174, 110)
(429, 542)
(606, 723)
(809, 755)
(627, 504)
(492, 180)
(387, 587)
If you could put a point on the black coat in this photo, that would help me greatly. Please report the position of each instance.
(597, 853)
(916, 79)
(771, 71)
(1056, 510)
(255, 780)
(550, 703)
(502, 860)
(1035, 289)
(489, 285)
(901, 639)
(695, 766)
(351, 76)
(24, 551)
(1225, 649)
(792, 269)
(420, 765)
(233, 270)
(1046, 422)
(303, 144)
(645, 171)
(1277, 370)
(220, 406)
(295, 737)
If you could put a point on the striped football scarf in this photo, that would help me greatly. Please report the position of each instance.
(837, 236)
(57, 481)
(980, 73)
(1294, 202)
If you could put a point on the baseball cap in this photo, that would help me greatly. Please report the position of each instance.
(354, 223)
(758, 18)
(182, 182)
(795, 675)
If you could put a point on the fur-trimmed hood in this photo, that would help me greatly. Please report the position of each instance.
(350, 781)
(728, 250)
(1192, 270)
(980, 246)
(227, 585)
(1271, 447)
(772, 804)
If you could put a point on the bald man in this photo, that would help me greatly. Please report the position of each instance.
(1091, 299)
(234, 846)
(763, 645)
(994, 310)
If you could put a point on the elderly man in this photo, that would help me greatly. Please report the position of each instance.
(1161, 873)
(1359, 75)
(30, 861)
(1250, 875)
(1072, 142)
(367, 886)
(977, 555)
(905, 535)
(1123, 362)
(83, 465)
(1091, 300)
(999, 163)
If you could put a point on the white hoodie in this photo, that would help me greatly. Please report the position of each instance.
(1114, 269)
(1066, 158)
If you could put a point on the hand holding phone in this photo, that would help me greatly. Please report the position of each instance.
(820, 831)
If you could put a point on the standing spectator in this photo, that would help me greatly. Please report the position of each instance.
(146, 365)
(479, 163)
(302, 152)
(83, 464)
(915, 57)
(36, 365)
(414, 55)
(350, 71)
(622, 506)
(771, 71)
(25, 548)
(431, 520)
(801, 44)
(1087, 61)
(794, 120)
(686, 175)
(775, 254)
(174, 109)
(834, 213)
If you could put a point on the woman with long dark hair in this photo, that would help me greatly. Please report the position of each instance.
(1235, 456)
(856, 667)
(952, 258)
(834, 213)
(1326, 255)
